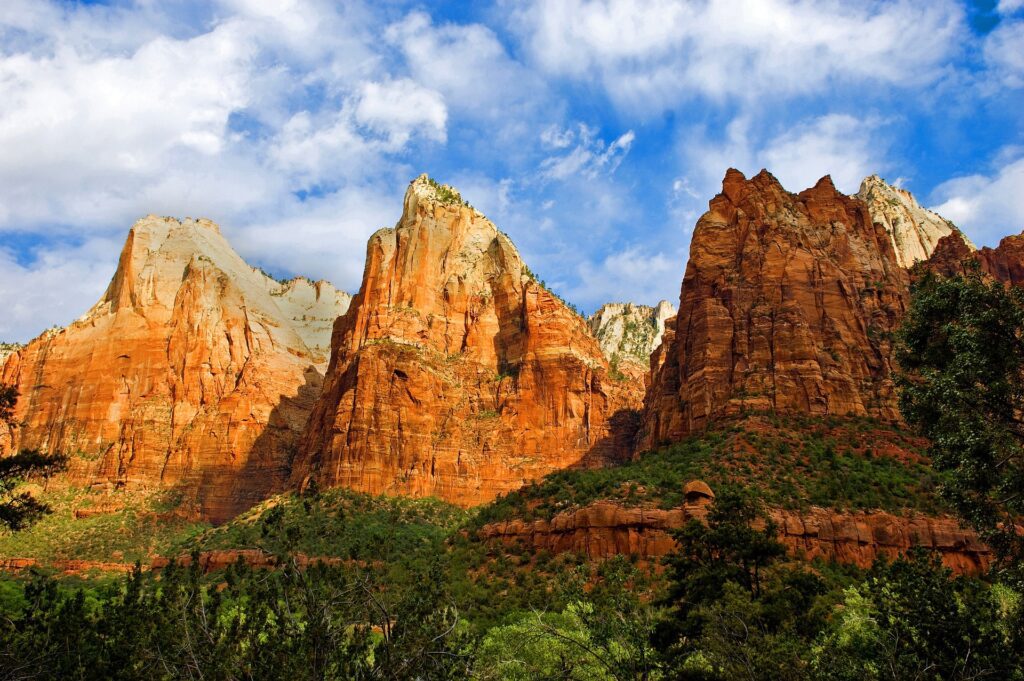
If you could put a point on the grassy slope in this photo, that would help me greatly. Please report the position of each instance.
(145, 526)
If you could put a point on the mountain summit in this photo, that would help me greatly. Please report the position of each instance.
(193, 371)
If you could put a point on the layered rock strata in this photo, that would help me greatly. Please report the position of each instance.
(787, 305)
(605, 529)
(193, 371)
(454, 373)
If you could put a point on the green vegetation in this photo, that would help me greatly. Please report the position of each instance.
(962, 350)
(447, 194)
(842, 463)
(144, 526)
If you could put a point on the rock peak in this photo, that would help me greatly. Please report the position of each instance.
(914, 231)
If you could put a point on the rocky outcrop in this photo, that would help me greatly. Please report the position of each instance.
(914, 230)
(629, 333)
(455, 373)
(787, 305)
(605, 529)
(190, 372)
(311, 308)
(8, 349)
(954, 255)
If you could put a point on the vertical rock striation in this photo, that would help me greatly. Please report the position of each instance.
(190, 372)
(787, 305)
(454, 373)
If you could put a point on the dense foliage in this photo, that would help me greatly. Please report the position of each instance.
(729, 605)
(962, 353)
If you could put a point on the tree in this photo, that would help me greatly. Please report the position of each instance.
(733, 612)
(912, 620)
(19, 509)
(961, 355)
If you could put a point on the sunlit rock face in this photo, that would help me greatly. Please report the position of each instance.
(954, 255)
(788, 304)
(914, 231)
(194, 371)
(630, 332)
(455, 373)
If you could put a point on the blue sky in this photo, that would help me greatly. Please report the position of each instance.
(593, 132)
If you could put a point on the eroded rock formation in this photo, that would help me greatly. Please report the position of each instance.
(629, 333)
(787, 305)
(605, 529)
(914, 230)
(194, 370)
(455, 373)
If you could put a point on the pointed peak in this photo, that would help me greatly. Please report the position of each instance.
(826, 183)
(426, 187)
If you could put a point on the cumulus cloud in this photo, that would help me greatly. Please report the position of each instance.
(987, 207)
(634, 274)
(1004, 53)
(651, 54)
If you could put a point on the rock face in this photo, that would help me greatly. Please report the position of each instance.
(8, 349)
(914, 231)
(455, 373)
(628, 332)
(605, 529)
(787, 305)
(1005, 262)
(190, 372)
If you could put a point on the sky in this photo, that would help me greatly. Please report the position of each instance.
(593, 132)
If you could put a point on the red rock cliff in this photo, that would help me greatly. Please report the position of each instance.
(1005, 262)
(454, 373)
(787, 305)
(190, 372)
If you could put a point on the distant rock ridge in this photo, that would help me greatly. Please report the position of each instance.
(454, 373)
(1005, 262)
(788, 305)
(193, 371)
(914, 230)
(630, 332)
(8, 349)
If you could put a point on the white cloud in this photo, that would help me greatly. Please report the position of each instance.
(1004, 53)
(634, 274)
(987, 207)
(836, 144)
(400, 108)
(654, 53)
(63, 280)
(590, 156)
(1008, 6)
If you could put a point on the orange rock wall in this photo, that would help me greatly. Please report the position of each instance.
(185, 375)
(605, 529)
(455, 374)
(787, 305)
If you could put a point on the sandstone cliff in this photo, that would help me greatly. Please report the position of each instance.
(190, 372)
(456, 374)
(1005, 262)
(604, 529)
(914, 231)
(787, 305)
(8, 349)
(628, 332)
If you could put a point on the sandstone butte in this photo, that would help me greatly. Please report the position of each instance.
(194, 371)
(454, 373)
(787, 305)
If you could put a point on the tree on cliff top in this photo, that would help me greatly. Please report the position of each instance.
(18, 509)
(961, 352)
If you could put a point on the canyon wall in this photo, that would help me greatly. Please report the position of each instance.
(194, 371)
(787, 305)
(454, 373)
